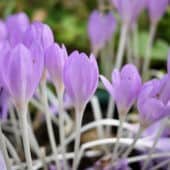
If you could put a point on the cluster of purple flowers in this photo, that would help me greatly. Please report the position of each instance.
(28, 51)
(152, 98)
(101, 27)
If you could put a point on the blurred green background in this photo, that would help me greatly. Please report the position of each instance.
(68, 19)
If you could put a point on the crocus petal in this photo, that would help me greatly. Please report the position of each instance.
(107, 85)
(129, 10)
(156, 9)
(37, 58)
(19, 23)
(3, 31)
(151, 111)
(19, 71)
(127, 85)
(55, 58)
(80, 77)
(40, 32)
(100, 28)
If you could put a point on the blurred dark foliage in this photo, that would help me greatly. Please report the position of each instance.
(68, 19)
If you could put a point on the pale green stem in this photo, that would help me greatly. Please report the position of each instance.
(144, 157)
(33, 143)
(136, 45)
(24, 130)
(62, 128)
(121, 48)
(134, 142)
(49, 124)
(120, 129)
(15, 128)
(103, 122)
(101, 5)
(4, 150)
(12, 150)
(129, 49)
(107, 58)
(148, 54)
(110, 114)
(160, 130)
(97, 115)
(79, 116)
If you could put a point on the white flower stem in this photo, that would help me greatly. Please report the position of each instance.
(134, 142)
(163, 123)
(24, 130)
(148, 54)
(79, 116)
(103, 122)
(97, 115)
(62, 128)
(12, 150)
(110, 114)
(15, 128)
(120, 129)
(136, 45)
(121, 48)
(49, 123)
(144, 157)
(129, 48)
(4, 150)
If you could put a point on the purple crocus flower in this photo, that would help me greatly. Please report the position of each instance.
(100, 28)
(16, 26)
(80, 78)
(129, 10)
(3, 31)
(154, 100)
(156, 9)
(2, 162)
(55, 58)
(21, 73)
(40, 33)
(150, 104)
(125, 87)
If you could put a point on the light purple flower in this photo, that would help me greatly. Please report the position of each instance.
(3, 31)
(16, 26)
(80, 77)
(125, 87)
(38, 32)
(100, 28)
(21, 71)
(55, 58)
(150, 103)
(156, 9)
(129, 10)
